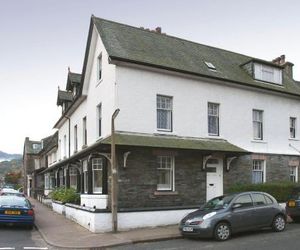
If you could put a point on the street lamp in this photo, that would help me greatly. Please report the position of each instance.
(114, 171)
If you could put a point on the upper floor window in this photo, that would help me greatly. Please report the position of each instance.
(213, 119)
(84, 130)
(85, 175)
(164, 108)
(292, 127)
(65, 146)
(267, 73)
(75, 139)
(257, 117)
(165, 170)
(99, 119)
(99, 67)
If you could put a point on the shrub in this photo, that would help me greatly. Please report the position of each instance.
(281, 191)
(65, 195)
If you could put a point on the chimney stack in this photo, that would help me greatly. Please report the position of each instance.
(288, 66)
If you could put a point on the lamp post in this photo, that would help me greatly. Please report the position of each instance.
(114, 171)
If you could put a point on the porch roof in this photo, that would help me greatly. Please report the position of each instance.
(162, 141)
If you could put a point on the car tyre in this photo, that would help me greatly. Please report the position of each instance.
(222, 231)
(279, 223)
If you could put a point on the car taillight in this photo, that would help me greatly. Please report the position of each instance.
(30, 212)
(291, 203)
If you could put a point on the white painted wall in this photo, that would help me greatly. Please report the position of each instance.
(94, 200)
(136, 98)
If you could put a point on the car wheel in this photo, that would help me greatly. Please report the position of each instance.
(222, 231)
(278, 224)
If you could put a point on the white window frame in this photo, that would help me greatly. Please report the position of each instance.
(213, 110)
(97, 165)
(99, 68)
(75, 138)
(293, 127)
(164, 104)
(73, 177)
(84, 131)
(85, 176)
(258, 123)
(47, 181)
(162, 166)
(259, 166)
(61, 177)
(267, 73)
(293, 173)
(65, 146)
(99, 120)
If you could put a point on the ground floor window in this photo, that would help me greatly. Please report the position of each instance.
(73, 177)
(47, 181)
(294, 173)
(61, 177)
(51, 181)
(97, 167)
(85, 176)
(258, 171)
(165, 173)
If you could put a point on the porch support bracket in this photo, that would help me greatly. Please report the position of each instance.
(125, 156)
(106, 155)
(205, 159)
(228, 162)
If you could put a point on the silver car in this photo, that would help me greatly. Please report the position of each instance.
(227, 214)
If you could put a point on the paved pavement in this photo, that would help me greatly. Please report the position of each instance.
(64, 233)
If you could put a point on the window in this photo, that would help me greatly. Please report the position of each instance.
(47, 181)
(99, 62)
(210, 65)
(85, 175)
(213, 119)
(294, 173)
(60, 149)
(84, 141)
(267, 73)
(165, 170)
(61, 178)
(75, 139)
(99, 120)
(245, 200)
(164, 112)
(97, 167)
(257, 117)
(51, 181)
(258, 171)
(65, 146)
(259, 199)
(73, 177)
(292, 127)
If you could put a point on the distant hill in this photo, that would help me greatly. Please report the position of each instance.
(7, 157)
(10, 166)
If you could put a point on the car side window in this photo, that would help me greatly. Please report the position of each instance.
(259, 199)
(245, 200)
(268, 199)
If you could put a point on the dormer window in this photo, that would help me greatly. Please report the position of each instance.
(267, 73)
(99, 62)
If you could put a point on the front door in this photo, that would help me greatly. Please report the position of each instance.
(214, 178)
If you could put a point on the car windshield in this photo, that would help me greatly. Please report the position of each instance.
(218, 202)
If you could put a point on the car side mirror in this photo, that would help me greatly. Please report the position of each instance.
(236, 205)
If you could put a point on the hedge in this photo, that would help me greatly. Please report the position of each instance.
(281, 191)
(65, 195)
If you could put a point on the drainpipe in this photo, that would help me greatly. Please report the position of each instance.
(69, 134)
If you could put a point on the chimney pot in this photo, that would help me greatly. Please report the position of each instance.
(158, 30)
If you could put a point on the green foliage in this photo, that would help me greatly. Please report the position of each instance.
(281, 191)
(65, 195)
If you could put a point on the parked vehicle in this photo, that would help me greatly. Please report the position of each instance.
(10, 191)
(227, 214)
(16, 210)
(293, 205)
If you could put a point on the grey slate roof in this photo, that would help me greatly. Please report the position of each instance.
(30, 148)
(73, 79)
(50, 142)
(131, 44)
(214, 145)
(64, 96)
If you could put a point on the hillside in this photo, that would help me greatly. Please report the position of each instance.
(10, 166)
(6, 157)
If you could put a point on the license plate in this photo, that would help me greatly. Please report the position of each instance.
(12, 212)
(187, 229)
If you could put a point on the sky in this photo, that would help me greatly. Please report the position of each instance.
(40, 39)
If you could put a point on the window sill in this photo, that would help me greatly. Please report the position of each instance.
(99, 82)
(162, 193)
(294, 139)
(259, 141)
(165, 132)
(84, 146)
(215, 137)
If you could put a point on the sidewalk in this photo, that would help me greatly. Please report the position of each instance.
(64, 233)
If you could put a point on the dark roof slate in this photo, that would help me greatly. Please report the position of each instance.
(64, 96)
(131, 44)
